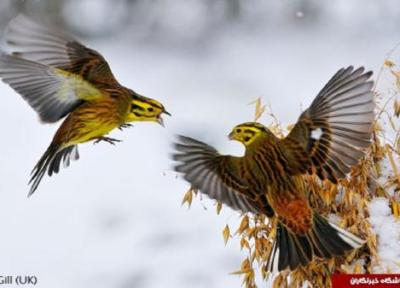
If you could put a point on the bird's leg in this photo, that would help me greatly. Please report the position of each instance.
(126, 125)
(112, 141)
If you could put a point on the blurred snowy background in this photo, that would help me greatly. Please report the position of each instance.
(114, 219)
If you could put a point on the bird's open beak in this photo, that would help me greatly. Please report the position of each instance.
(160, 121)
(230, 136)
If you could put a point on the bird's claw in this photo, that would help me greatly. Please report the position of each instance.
(112, 141)
(126, 125)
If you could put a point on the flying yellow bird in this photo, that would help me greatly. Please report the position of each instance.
(59, 77)
(328, 139)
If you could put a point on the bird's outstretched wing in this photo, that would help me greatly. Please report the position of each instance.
(217, 176)
(47, 45)
(51, 92)
(330, 136)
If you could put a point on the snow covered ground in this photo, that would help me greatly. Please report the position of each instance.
(114, 218)
(388, 230)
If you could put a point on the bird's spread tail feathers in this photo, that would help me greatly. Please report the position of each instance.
(324, 240)
(50, 162)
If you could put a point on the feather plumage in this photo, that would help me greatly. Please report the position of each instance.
(328, 139)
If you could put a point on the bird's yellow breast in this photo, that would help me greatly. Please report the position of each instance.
(92, 131)
(92, 120)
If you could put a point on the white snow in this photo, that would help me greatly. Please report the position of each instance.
(388, 234)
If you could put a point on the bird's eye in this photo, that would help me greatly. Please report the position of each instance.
(238, 130)
(246, 138)
(150, 109)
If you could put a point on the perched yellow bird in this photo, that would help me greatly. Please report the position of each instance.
(328, 139)
(59, 77)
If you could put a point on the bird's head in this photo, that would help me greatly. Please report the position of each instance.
(248, 132)
(146, 109)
